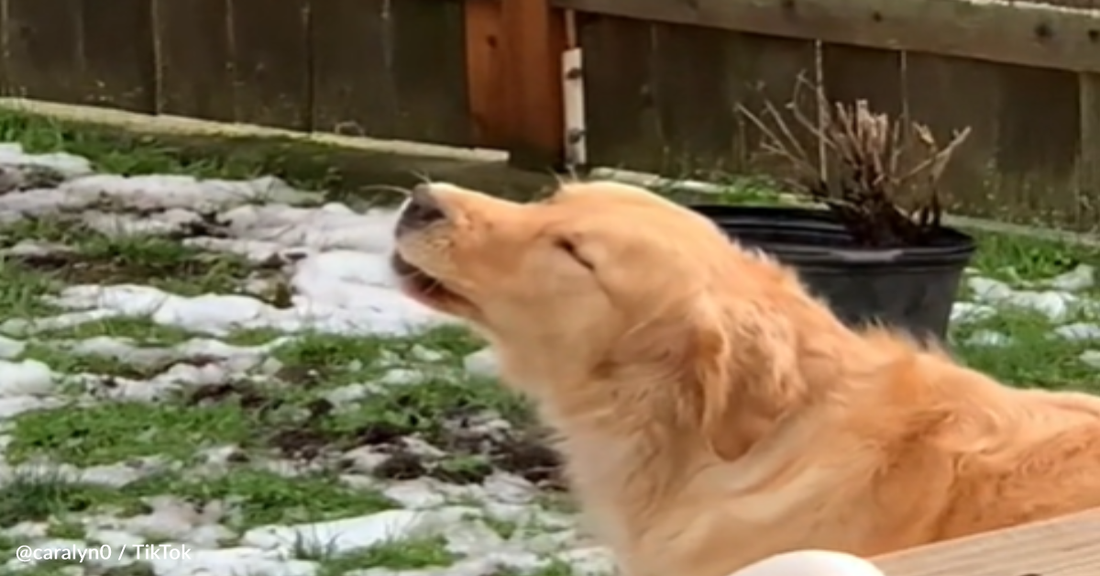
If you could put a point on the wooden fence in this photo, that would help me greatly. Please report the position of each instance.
(662, 78)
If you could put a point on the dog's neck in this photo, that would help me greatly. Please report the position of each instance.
(625, 442)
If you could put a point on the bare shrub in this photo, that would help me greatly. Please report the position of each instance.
(880, 175)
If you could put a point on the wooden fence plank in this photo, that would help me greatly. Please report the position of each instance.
(665, 98)
(850, 74)
(119, 61)
(196, 76)
(353, 87)
(1038, 143)
(768, 69)
(434, 106)
(949, 94)
(1088, 161)
(81, 52)
(696, 99)
(43, 49)
(534, 39)
(1011, 32)
(271, 62)
(485, 74)
(391, 70)
(621, 116)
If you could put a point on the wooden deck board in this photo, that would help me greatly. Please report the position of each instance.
(1066, 546)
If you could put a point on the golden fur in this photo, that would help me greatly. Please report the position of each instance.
(711, 413)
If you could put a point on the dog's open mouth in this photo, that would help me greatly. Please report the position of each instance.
(418, 284)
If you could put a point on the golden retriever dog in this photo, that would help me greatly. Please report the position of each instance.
(711, 412)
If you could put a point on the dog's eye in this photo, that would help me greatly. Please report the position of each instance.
(571, 249)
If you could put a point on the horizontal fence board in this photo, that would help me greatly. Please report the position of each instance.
(663, 98)
(196, 77)
(391, 70)
(1017, 33)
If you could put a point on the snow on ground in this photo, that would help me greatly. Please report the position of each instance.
(278, 408)
(418, 505)
(341, 281)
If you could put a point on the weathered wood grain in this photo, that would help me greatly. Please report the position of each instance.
(271, 62)
(1012, 32)
(195, 62)
(391, 70)
(43, 49)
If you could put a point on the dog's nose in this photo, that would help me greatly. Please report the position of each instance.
(420, 210)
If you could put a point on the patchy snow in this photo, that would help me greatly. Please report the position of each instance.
(346, 292)
(338, 278)
(338, 258)
(1061, 301)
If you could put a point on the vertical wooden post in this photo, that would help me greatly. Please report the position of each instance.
(533, 42)
(1088, 160)
(485, 81)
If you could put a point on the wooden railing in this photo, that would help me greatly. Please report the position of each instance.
(1065, 546)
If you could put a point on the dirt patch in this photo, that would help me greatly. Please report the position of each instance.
(28, 177)
(304, 377)
(473, 451)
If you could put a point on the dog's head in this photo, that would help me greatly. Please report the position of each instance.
(598, 277)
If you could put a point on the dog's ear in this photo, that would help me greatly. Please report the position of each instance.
(744, 360)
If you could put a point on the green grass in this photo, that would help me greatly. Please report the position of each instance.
(116, 152)
(1034, 356)
(312, 365)
(341, 174)
(253, 419)
(117, 431)
(411, 554)
(255, 497)
(260, 497)
(256, 419)
(38, 496)
(157, 261)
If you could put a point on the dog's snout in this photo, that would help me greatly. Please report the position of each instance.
(420, 210)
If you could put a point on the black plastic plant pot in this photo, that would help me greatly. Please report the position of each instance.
(912, 289)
